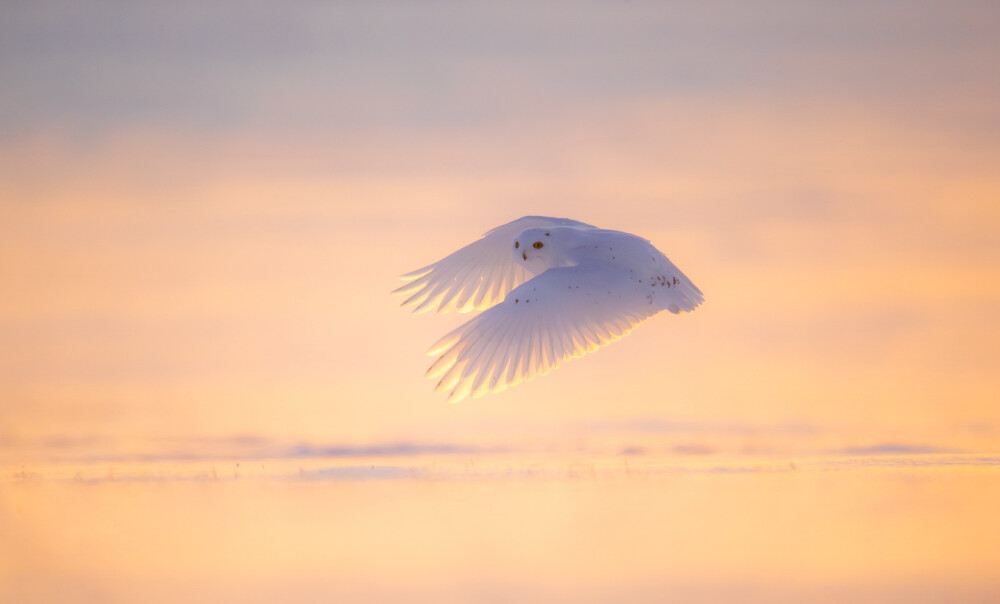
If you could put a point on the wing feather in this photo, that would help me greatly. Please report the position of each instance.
(477, 276)
(539, 326)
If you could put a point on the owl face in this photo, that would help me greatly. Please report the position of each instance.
(536, 249)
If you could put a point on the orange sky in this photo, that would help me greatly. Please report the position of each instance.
(210, 264)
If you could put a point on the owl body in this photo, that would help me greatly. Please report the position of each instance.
(552, 289)
(540, 249)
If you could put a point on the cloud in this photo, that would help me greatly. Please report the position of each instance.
(894, 449)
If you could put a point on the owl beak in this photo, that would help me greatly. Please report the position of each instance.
(523, 255)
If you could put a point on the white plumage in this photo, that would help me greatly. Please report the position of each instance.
(553, 289)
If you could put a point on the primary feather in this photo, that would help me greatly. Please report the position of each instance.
(553, 289)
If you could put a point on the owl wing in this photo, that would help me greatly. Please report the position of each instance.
(562, 313)
(477, 276)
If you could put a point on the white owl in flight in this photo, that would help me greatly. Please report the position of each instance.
(554, 289)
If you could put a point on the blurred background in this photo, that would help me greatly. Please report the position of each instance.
(204, 207)
(208, 393)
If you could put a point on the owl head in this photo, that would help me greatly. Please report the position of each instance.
(539, 249)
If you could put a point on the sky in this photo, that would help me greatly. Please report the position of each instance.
(203, 210)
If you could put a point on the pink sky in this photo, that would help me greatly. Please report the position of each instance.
(202, 217)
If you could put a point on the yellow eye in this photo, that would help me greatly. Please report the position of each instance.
(517, 244)
(537, 245)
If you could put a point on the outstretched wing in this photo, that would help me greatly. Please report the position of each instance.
(562, 313)
(477, 276)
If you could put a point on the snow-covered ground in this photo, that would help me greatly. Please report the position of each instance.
(454, 525)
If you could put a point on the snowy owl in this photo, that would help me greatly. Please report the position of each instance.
(553, 289)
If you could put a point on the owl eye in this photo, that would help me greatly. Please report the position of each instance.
(537, 245)
(517, 244)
